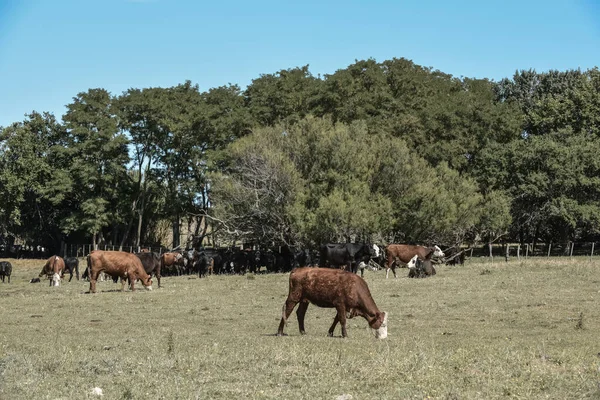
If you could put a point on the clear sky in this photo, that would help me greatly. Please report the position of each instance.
(52, 49)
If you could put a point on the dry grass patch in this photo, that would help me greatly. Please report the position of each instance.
(522, 330)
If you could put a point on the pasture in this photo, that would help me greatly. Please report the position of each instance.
(525, 330)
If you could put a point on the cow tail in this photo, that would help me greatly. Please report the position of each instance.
(89, 267)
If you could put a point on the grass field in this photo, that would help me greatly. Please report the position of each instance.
(528, 330)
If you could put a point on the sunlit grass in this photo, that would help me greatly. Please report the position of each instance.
(483, 330)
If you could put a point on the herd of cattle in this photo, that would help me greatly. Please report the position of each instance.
(335, 284)
(353, 257)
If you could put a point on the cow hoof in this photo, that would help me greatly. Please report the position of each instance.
(330, 334)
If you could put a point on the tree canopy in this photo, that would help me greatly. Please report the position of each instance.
(387, 151)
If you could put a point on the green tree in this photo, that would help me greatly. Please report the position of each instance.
(99, 157)
(35, 185)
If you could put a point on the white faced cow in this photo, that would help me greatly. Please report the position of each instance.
(402, 254)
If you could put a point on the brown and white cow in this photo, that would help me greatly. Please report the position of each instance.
(117, 264)
(54, 269)
(332, 288)
(401, 254)
(171, 260)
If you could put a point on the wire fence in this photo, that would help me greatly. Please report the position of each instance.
(508, 251)
(82, 250)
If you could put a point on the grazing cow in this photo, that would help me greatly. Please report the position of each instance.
(151, 263)
(332, 288)
(345, 255)
(5, 270)
(71, 264)
(170, 261)
(403, 253)
(117, 264)
(54, 270)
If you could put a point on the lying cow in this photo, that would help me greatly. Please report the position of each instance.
(117, 264)
(420, 269)
(401, 254)
(5, 270)
(151, 263)
(54, 270)
(332, 288)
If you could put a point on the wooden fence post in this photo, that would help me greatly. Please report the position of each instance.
(592, 253)
(572, 245)
(519, 251)
(490, 249)
(549, 248)
(526, 250)
(507, 252)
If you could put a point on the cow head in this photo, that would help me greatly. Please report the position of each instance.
(413, 262)
(437, 252)
(380, 324)
(147, 282)
(376, 251)
(55, 280)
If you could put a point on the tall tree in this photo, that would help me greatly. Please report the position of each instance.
(35, 185)
(99, 157)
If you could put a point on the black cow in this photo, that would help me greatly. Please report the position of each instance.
(5, 270)
(72, 264)
(345, 255)
(306, 258)
(151, 264)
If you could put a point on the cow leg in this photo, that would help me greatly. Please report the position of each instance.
(76, 271)
(300, 313)
(157, 274)
(335, 322)
(287, 310)
(132, 279)
(342, 317)
(93, 278)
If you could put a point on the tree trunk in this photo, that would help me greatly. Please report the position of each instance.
(176, 231)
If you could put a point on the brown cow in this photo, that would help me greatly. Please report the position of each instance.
(54, 269)
(403, 253)
(332, 288)
(171, 260)
(117, 264)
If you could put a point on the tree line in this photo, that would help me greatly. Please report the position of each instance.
(386, 151)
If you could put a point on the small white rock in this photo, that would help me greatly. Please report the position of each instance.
(344, 397)
(97, 391)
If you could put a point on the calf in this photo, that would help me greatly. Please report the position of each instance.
(420, 269)
(54, 270)
(332, 288)
(117, 264)
(403, 253)
(5, 270)
(151, 263)
(72, 264)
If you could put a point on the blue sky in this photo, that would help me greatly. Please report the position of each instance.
(52, 49)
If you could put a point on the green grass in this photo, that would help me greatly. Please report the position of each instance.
(482, 331)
